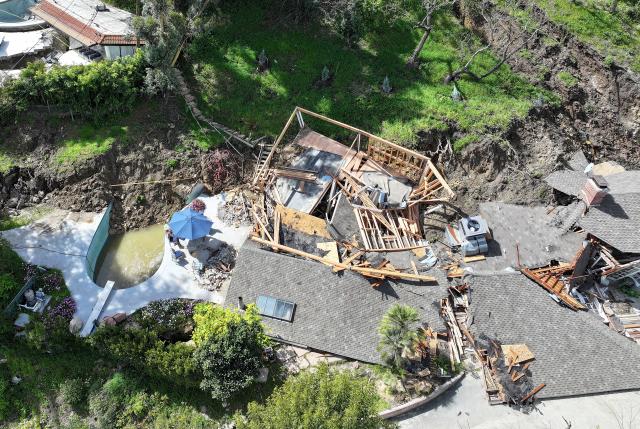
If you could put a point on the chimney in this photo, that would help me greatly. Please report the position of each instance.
(594, 190)
(240, 303)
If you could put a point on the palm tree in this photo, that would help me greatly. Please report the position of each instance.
(398, 334)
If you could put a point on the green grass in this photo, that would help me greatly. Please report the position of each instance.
(232, 92)
(567, 79)
(90, 141)
(6, 162)
(591, 22)
(25, 218)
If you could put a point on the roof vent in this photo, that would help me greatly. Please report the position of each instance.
(101, 7)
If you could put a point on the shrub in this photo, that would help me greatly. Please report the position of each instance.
(107, 403)
(93, 90)
(169, 317)
(4, 398)
(324, 398)
(174, 362)
(64, 311)
(215, 321)
(126, 346)
(9, 287)
(36, 334)
(230, 362)
(73, 392)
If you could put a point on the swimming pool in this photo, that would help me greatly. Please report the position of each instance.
(12, 11)
(130, 258)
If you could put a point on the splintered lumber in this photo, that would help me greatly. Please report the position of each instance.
(295, 174)
(547, 278)
(474, 258)
(517, 353)
(361, 270)
(276, 227)
(533, 392)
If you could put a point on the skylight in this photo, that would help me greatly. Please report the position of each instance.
(276, 308)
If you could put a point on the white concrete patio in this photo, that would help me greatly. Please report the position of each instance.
(61, 240)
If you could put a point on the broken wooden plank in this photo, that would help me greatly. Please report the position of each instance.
(361, 270)
(533, 392)
(475, 258)
(332, 248)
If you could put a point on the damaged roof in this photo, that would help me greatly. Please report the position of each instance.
(529, 228)
(575, 353)
(336, 313)
(616, 221)
(571, 182)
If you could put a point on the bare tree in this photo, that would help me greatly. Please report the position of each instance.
(430, 8)
(506, 39)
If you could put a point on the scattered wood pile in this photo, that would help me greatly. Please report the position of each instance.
(505, 368)
(385, 185)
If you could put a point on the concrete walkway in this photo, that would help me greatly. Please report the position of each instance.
(465, 406)
(61, 239)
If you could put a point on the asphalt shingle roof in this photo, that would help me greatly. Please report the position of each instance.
(616, 221)
(527, 228)
(575, 353)
(336, 313)
(567, 181)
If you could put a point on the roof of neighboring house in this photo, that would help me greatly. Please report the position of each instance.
(531, 230)
(335, 313)
(567, 181)
(80, 20)
(616, 221)
(575, 352)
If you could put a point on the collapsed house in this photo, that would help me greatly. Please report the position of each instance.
(338, 238)
(340, 235)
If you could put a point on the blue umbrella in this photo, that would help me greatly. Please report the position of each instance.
(190, 224)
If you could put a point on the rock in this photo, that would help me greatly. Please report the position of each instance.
(12, 202)
(15, 380)
(75, 325)
(263, 375)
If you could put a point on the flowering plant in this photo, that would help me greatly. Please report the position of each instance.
(198, 205)
(64, 310)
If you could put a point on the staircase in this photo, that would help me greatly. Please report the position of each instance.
(263, 155)
(230, 134)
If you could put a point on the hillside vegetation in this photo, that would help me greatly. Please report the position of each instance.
(232, 91)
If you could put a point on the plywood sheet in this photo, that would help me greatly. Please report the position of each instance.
(303, 222)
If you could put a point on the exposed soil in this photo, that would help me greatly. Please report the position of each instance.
(159, 149)
(599, 114)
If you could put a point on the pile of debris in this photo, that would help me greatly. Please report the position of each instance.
(235, 210)
(218, 268)
(342, 206)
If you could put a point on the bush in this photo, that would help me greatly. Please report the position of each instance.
(169, 318)
(74, 392)
(9, 287)
(215, 321)
(4, 399)
(230, 361)
(324, 398)
(12, 273)
(174, 362)
(126, 346)
(107, 403)
(94, 90)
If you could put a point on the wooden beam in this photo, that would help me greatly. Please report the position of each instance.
(360, 270)
(362, 132)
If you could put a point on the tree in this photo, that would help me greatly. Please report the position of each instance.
(320, 399)
(398, 334)
(230, 362)
(215, 321)
(506, 41)
(165, 31)
(430, 8)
